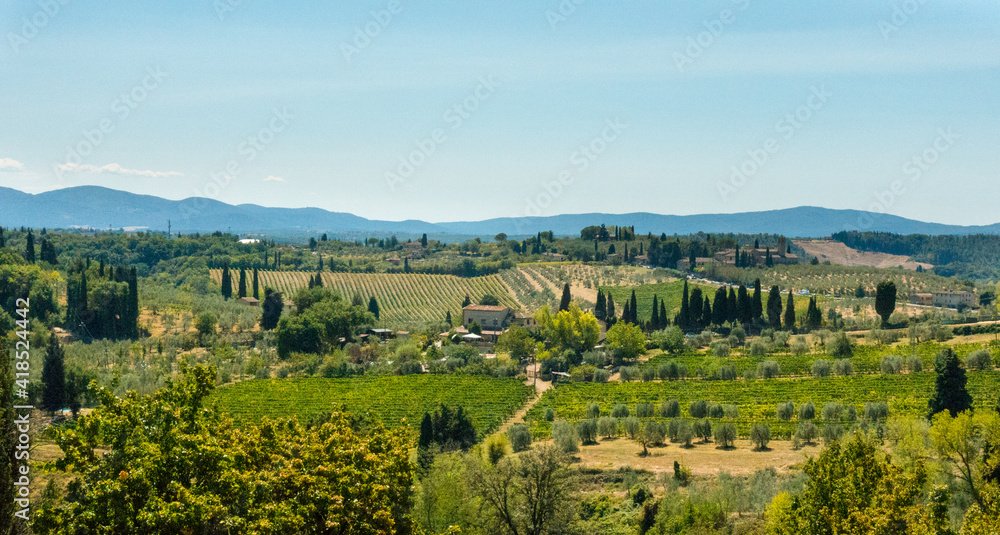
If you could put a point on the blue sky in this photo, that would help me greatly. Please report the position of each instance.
(562, 107)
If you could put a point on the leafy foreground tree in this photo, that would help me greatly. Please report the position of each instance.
(854, 488)
(171, 463)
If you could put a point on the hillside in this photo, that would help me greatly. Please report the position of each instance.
(840, 254)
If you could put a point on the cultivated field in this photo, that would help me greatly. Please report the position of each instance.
(394, 400)
(840, 254)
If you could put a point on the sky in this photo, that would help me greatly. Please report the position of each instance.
(467, 110)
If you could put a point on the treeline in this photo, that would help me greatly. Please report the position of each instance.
(973, 256)
(102, 301)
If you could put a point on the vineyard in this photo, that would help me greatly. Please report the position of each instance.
(402, 298)
(539, 284)
(394, 400)
(756, 401)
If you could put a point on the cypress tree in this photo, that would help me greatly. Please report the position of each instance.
(774, 307)
(706, 312)
(696, 308)
(271, 309)
(757, 305)
(626, 314)
(790, 311)
(426, 430)
(814, 318)
(684, 316)
(447, 318)
(29, 250)
(743, 306)
(950, 393)
(732, 311)
(423, 240)
(654, 320)
(256, 284)
(242, 288)
(3, 243)
(133, 297)
(227, 281)
(466, 302)
(633, 308)
(564, 302)
(663, 315)
(610, 317)
(601, 307)
(53, 376)
(720, 306)
(373, 307)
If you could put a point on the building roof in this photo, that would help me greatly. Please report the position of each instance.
(486, 308)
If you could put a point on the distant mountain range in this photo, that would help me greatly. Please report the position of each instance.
(101, 208)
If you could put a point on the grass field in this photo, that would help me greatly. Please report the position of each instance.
(402, 298)
(394, 400)
(757, 400)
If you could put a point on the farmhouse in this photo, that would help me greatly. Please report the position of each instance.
(954, 299)
(495, 318)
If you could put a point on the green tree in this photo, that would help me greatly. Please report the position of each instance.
(517, 342)
(423, 241)
(626, 340)
(242, 286)
(256, 284)
(720, 306)
(205, 323)
(29, 249)
(790, 311)
(757, 306)
(885, 300)
(373, 307)
(271, 309)
(566, 298)
(950, 392)
(961, 441)
(54, 376)
(684, 316)
(227, 282)
(774, 307)
(489, 300)
(171, 463)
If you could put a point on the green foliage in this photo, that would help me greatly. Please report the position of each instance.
(760, 436)
(950, 393)
(565, 437)
(626, 340)
(54, 376)
(979, 359)
(885, 300)
(725, 435)
(322, 318)
(176, 465)
(205, 323)
(519, 437)
(587, 431)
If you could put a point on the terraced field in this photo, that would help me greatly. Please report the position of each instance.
(394, 400)
(403, 299)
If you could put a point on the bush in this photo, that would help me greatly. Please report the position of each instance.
(876, 412)
(785, 410)
(799, 346)
(840, 345)
(698, 409)
(664, 371)
(768, 369)
(760, 435)
(631, 426)
(716, 411)
(648, 375)
(607, 427)
(979, 359)
(725, 435)
(496, 448)
(644, 410)
(891, 364)
(565, 437)
(628, 373)
(703, 428)
(670, 409)
(550, 415)
(720, 349)
(519, 437)
(832, 433)
(682, 474)
(205, 323)
(807, 411)
(781, 338)
(685, 434)
(806, 432)
(843, 367)
(587, 431)
(759, 348)
(620, 411)
(914, 364)
(601, 376)
(593, 410)
(821, 368)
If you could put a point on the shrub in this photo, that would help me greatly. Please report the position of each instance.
(670, 409)
(806, 432)
(682, 474)
(550, 415)
(832, 411)
(496, 448)
(685, 434)
(799, 346)
(807, 411)
(843, 367)
(840, 345)
(703, 428)
(644, 410)
(832, 433)
(565, 437)
(519, 437)
(620, 411)
(607, 427)
(876, 412)
(628, 373)
(821, 368)
(979, 359)
(759, 348)
(716, 411)
(698, 409)
(785, 410)
(593, 410)
(648, 374)
(601, 376)
(914, 364)
(768, 369)
(631, 426)
(720, 349)
(781, 338)
(725, 435)
(891, 364)
(760, 435)
(587, 431)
